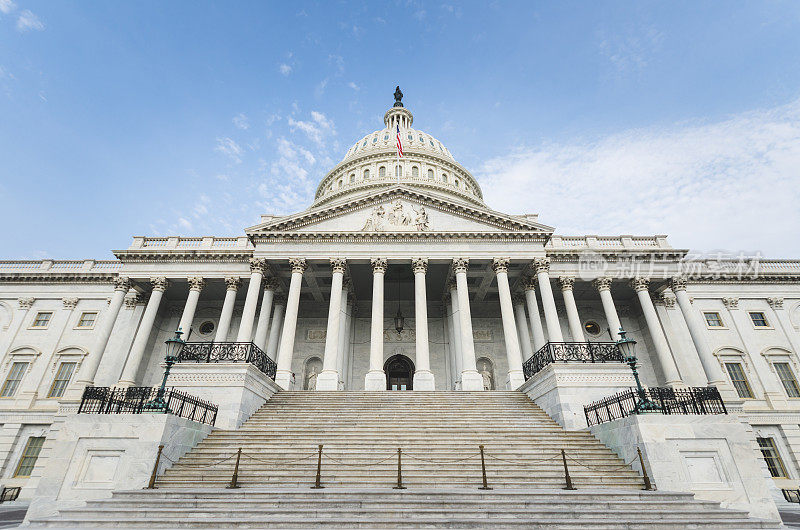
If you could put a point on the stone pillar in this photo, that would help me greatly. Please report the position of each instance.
(276, 327)
(470, 378)
(376, 378)
(347, 375)
(328, 379)
(575, 327)
(603, 286)
(224, 325)
(89, 368)
(344, 326)
(776, 304)
(533, 314)
(668, 367)
(455, 330)
(260, 340)
(196, 285)
(522, 327)
(284, 376)
(257, 268)
(128, 378)
(711, 367)
(515, 377)
(423, 377)
(542, 266)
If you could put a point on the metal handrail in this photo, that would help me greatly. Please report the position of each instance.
(134, 400)
(696, 400)
(228, 352)
(571, 352)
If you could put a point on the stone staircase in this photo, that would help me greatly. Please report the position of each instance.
(439, 434)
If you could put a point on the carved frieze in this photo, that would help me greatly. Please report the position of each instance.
(395, 217)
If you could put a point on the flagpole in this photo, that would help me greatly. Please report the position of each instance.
(397, 150)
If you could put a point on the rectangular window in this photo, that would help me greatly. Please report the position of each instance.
(29, 456)
(14, 377)
(61, 380)
(713, 319)
(772, 457)
(87, 319)
(739, 380)
(787, 378)
(42, 319)
(759, 319)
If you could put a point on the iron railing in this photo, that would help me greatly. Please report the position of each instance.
(9, 494)
(696, 400)
(572, 352)
(228, 352)
(107, 400)
(791, 495)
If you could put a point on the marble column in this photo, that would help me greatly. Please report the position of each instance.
(223, 327)
(284, 376)
(668, 367)
(196, 285)
(513, 354)
(376, 378)
(260, 339)
(276, 326)
(328, 379)
(533, 314)
(258, 267)
(455, 326)
(136, 355)
(89, 368)
(575, 327)
(711, 367)
(522, 327)
(603, 286)
(542, 267)
(470, 378)
(423, 377)
(344, 326)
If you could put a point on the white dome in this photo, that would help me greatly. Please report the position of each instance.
(372, 163)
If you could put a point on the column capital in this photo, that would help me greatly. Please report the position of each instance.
(338, 265)
(259, 265)
(775, 303)
(602, 284)
(347, 284)
(730, 303)
(460, 265)
(529, 283)
(451, 284)
(678, 283)
(279, 299)
(541, 265)
(69, 303)
(298, 265)
(379, 265)
(668, 300)
(500, 265)
(640, 284)
(196, 283)
(566, 283)
(270, 283)
(518, 298)
(446, 298)
(26, 302)
(419, 265)
(232, 283)
(159, 284)
(122, 284)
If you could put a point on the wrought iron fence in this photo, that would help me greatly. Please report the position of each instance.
(107, 400)
(9, 494)
(572, 352)
(791, 495)
(696, 400)
(228, 352)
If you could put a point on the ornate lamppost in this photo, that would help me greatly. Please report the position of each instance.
(174, 347)
(626, 347)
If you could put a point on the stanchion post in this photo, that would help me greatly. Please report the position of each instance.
(235, 478)
(647, 484)
(318, 482)
(483, 471)
(399, 470)
(152, 484)
(569, 485)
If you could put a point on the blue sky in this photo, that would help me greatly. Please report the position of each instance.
(192, 118)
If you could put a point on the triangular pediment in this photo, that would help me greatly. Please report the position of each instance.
(400, 210)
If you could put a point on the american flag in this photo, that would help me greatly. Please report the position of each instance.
(399, 143)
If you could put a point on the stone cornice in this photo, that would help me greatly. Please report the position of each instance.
(59, 277)
(180, 255)
(397, 236)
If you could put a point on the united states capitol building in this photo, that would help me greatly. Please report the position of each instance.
(402, 306)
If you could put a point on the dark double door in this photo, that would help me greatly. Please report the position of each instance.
(399, 373)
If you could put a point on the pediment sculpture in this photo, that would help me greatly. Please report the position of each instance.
(396, 218)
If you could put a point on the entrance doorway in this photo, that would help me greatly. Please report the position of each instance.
(399, 373)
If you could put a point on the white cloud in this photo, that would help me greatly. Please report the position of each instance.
(230, 148)
(28, 21)
(354, 86)
(732, 184)
(338, 62)
(184, 223)
(317, 130)
(319, 90)
(285, 69)
(7, 6)
(241, 121)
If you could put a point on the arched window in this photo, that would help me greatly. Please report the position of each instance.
(375, 140)
(456, 182)
(486, 369)
(444, 177)
(385, 137)
(410, 137)
(340, 183)
(366, 174)
(312, 368)
(414, 172)
(430, 174)
(397, 171)
(352, 178)
(382, 172)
